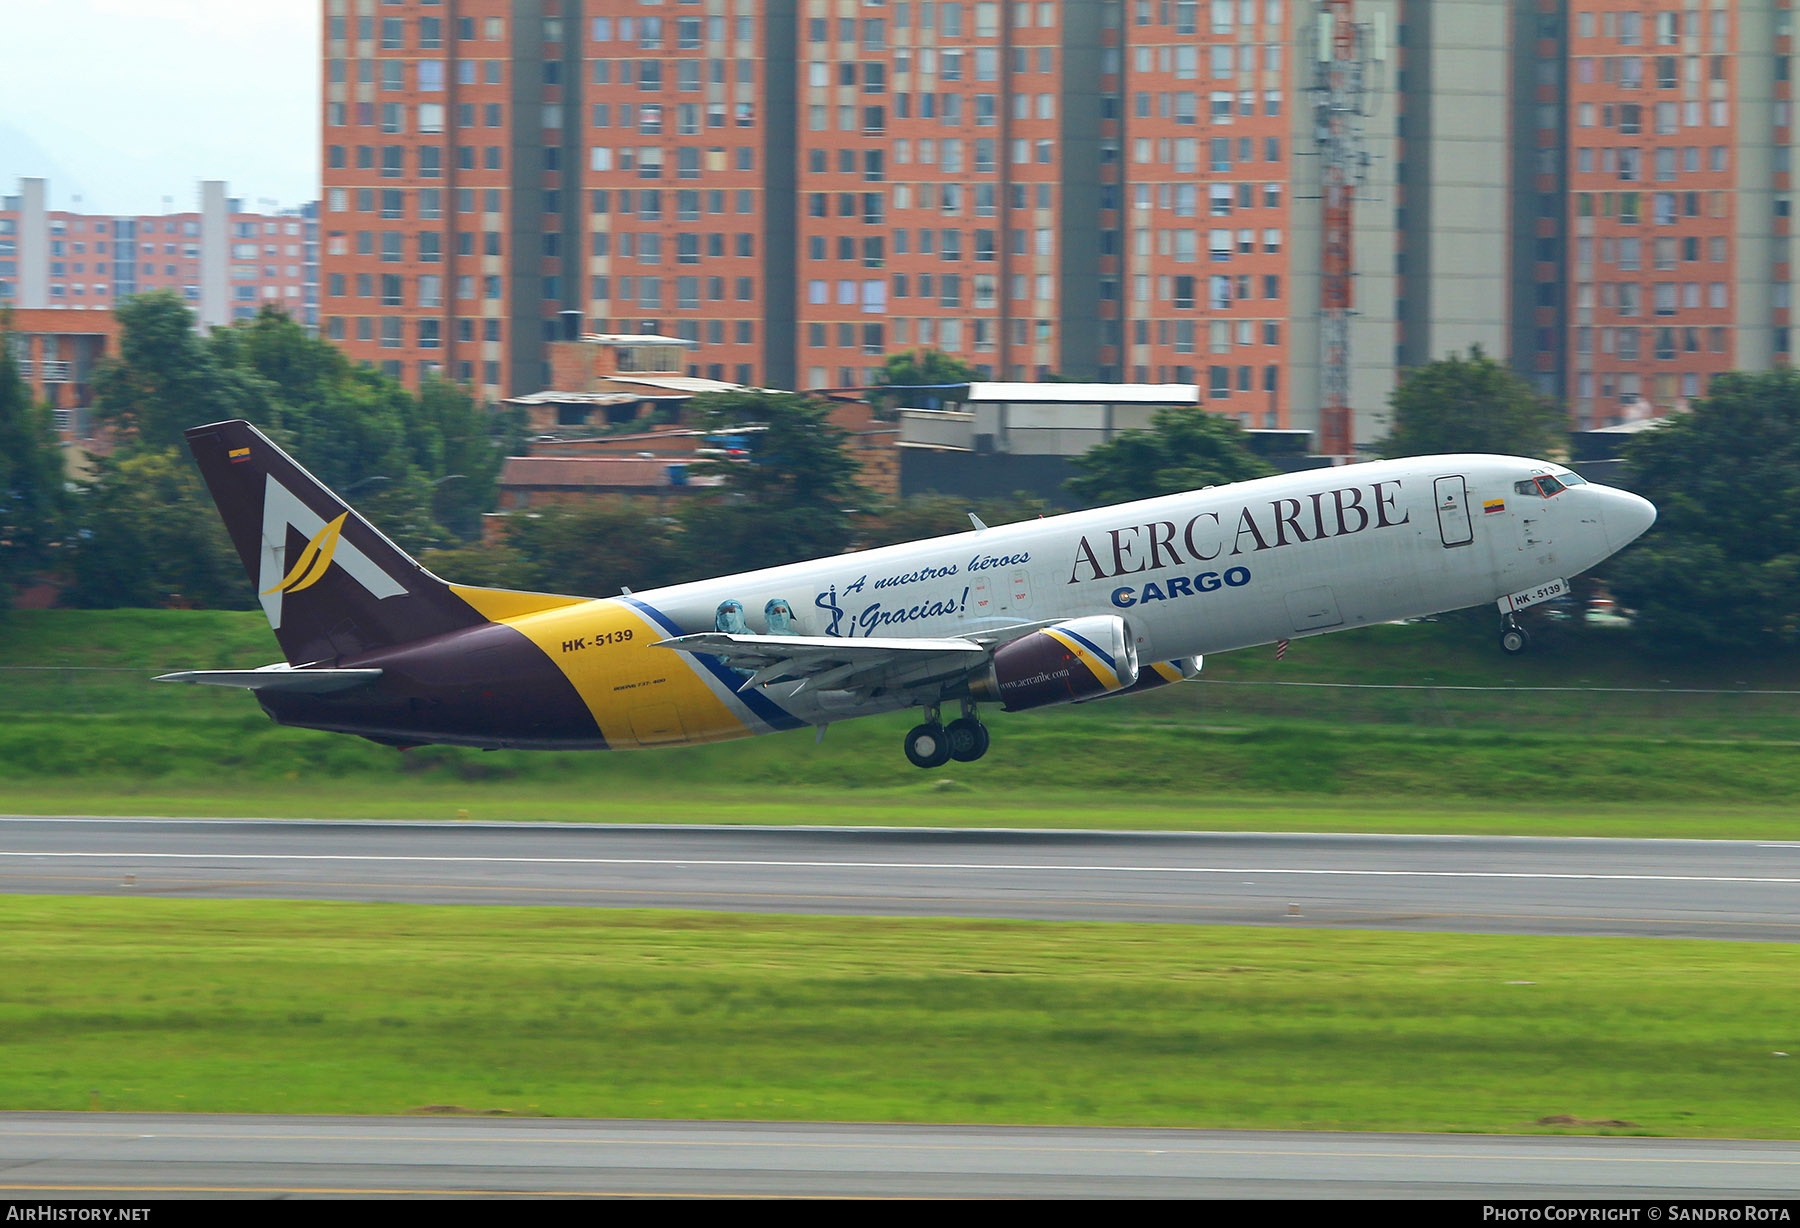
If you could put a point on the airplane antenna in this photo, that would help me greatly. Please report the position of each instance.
(976, 521)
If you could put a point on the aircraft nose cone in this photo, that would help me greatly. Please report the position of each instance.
(1627, 517)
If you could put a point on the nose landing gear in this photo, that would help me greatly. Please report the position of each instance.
(934, 744)
(1513, 638)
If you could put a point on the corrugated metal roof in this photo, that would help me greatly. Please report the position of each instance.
(575, 398)
(1632, 428)
(636, 339)
(676, 383)
(1089, 394)
(596, 471)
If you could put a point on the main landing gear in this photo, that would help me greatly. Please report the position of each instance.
(1513, 638)
(934, 744)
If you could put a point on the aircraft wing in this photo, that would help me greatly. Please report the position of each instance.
(825, 662)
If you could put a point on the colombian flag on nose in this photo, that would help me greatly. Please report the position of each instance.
(1493, 505)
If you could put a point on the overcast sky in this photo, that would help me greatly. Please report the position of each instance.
(126, 102)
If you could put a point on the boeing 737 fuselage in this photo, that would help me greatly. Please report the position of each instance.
(1050, 611)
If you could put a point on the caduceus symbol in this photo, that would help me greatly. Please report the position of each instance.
(829, 601)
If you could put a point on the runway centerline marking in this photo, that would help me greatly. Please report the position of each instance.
(687, 862)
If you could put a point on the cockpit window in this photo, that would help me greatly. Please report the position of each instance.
(1545, 486)
(1572, 479)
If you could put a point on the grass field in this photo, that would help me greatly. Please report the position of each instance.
(239, 1006)
(918, 805)
(252, 1006)
(1409, 728)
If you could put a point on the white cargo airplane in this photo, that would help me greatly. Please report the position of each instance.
(1050, 611)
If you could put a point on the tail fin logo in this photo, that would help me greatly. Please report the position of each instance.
(314, 561)
(326, 546)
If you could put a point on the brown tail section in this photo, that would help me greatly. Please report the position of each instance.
(334, 587)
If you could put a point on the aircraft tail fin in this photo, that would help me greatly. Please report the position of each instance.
(333, 586)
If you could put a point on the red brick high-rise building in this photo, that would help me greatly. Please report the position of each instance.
(226, 261)
(1110, 190)
(805, 186)
(1670, 188)
(681, 133)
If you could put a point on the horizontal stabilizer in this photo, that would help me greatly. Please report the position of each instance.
(278, 678)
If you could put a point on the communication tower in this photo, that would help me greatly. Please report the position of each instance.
(1344, 95)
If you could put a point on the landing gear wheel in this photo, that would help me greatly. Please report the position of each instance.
(968, 739)
(928, 746)
(1514, 640)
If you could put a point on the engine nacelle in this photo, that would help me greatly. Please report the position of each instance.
(1080, 659)
(1161, 673)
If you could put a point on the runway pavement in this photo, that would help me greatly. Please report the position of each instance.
(1671, 888)
(131, 1156)
(1676, 888)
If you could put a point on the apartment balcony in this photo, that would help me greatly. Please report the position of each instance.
(51, 372)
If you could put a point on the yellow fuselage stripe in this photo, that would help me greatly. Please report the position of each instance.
(1095, 665)
(639, 695)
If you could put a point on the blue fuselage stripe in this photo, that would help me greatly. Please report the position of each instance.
(1092, 647)
(765, 709)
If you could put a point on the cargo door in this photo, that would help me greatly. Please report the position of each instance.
(1455, 528)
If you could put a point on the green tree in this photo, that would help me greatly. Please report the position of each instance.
(360, 432)
(32, 490)
(1721, 569)
(939, 516)
(148, 536)
(793, 497)
(166, 378)
(274, 347)
(424, 468)
(1185, 449)
(597, 547)
(1472, 404)
(481, 564)
(467, 452)
(922, 369)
